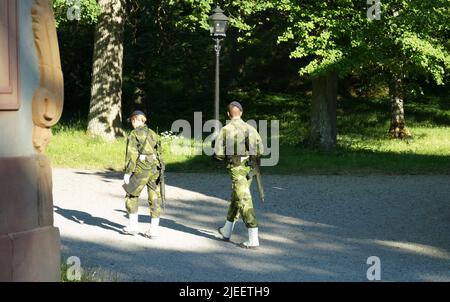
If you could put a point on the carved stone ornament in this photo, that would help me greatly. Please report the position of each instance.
(48, 98)
(9, 56)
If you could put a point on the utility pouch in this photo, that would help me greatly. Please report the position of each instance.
(234, 160)
(132, 185)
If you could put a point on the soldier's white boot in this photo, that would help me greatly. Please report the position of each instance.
(253, 241)
(227, 230)
(132, 227)
(153, 231)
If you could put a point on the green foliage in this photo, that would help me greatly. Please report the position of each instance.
(337, 35)
(169, 55)
(410, 39)
(363, 144)
(240, 13)
(425, 57)
(89, 11)
(89, 274)
(323, 32)
(169, 58)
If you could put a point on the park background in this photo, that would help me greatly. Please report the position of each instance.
(158, 56)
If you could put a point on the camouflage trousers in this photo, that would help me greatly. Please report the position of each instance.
(241, 198)
(151, 180)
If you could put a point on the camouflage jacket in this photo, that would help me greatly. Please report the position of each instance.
(238, 139)
(142, 141)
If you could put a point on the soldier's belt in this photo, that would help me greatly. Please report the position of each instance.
(136, 182)
(143, 157)
(237, 160)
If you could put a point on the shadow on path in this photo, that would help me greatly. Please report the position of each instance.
(86, 218)
(172, 224)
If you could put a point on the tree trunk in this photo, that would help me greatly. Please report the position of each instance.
(323, 130)
(105, 117)
(398, 127)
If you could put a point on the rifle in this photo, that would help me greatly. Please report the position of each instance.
(162, 184)
(253, 163)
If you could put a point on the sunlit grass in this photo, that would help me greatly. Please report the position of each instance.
(71, 147)
(364, 146)
(87, 274)
(426, 141)
(428, 152)
(74, 149)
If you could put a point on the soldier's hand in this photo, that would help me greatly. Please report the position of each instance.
(126, 178)
(217, 162)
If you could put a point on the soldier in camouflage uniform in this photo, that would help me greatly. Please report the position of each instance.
(142, 168)
(235, 143)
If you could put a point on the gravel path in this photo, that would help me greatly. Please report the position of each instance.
(312, 228)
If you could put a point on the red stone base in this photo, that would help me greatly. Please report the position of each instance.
(29, 244)
(30, 256)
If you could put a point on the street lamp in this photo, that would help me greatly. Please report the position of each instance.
(217, 27)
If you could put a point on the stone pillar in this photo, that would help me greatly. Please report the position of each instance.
(31, 101)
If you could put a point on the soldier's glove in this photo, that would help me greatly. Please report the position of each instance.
(243, 158)
(126, 178)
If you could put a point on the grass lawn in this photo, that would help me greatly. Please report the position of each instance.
(363, 144)
(69, 274)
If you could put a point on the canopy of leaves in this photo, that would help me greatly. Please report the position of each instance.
(169, 55)
(65, 10)
(410, 39)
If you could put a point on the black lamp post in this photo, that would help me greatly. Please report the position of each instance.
(217, 26)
